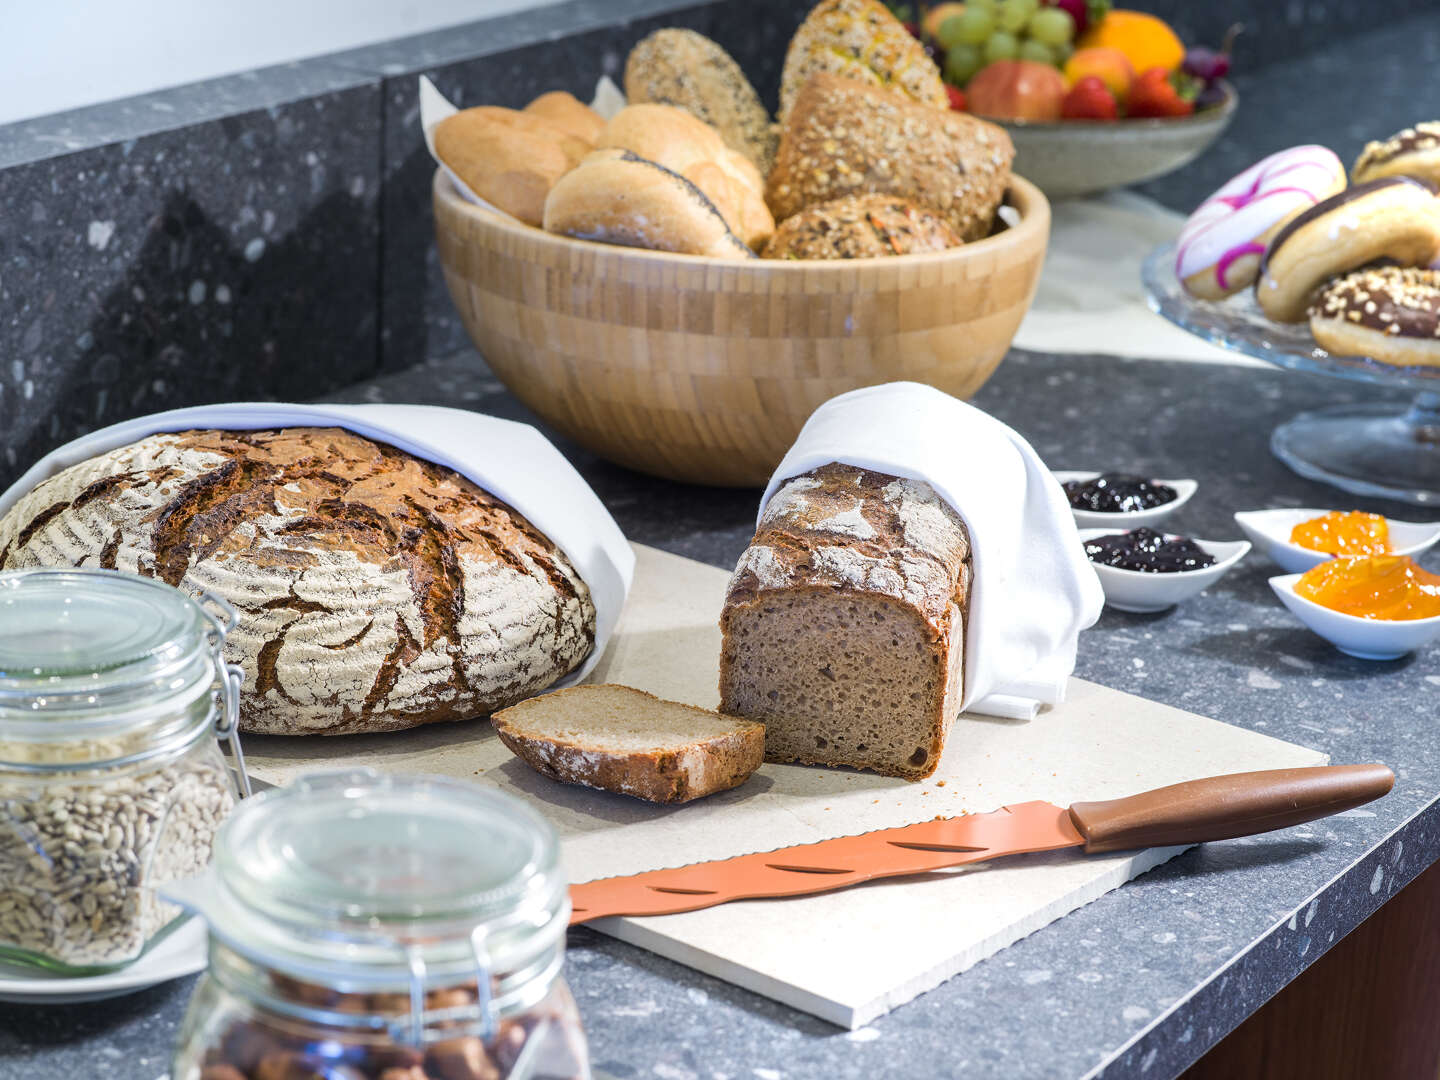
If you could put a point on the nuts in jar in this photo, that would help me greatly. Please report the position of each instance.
(111, 779)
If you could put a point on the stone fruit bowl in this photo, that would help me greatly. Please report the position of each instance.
(704, 370)
(1078, 157)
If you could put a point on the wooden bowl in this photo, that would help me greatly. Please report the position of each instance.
(704, 370)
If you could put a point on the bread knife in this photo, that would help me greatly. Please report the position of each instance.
(1216, 808)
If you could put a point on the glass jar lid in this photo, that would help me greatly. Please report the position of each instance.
(358, 879)
(93, 654)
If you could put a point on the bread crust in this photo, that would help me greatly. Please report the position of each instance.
(690, 771)
(679, 67)
(846, 138)
(509, 158)
(861, 227)
(375, 591)
(565, 111)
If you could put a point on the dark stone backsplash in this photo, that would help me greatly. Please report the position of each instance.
(269, 235)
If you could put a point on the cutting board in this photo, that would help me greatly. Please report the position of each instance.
(847, 956)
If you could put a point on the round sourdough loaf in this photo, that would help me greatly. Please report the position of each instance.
(375, 591)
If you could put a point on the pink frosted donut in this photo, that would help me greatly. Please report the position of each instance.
(1220, 246)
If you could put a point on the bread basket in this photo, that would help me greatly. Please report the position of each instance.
(703, 370)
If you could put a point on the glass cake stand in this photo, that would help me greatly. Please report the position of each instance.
(1380, 449)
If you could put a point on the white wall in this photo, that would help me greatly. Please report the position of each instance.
(61, 54)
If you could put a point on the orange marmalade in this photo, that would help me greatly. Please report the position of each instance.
(1379, 587)
(1336, 533)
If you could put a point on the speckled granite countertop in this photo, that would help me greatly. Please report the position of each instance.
(1136, 984)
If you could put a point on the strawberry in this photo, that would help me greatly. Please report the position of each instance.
(1156, 92)
(957, 97)
(1089, 99)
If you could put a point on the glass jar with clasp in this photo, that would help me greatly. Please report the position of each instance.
(372, 927)
(113, 698)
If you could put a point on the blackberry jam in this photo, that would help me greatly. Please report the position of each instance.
(1148, 551)
(1117, 493)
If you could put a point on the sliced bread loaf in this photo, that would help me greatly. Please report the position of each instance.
(632, 743)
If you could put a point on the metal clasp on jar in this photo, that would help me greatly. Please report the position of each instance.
(411, 1029)
(229, 678)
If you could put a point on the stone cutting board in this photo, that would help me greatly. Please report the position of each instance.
(852, 955)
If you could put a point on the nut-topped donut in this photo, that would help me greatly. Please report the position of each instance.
(1395, 218)
(1412, 152)
(1219, 249)
(1391, 314)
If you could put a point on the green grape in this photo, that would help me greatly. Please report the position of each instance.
(1001, 46)
(1014, 14)
(962, 62)
(1030, 49)
(971, 27)
(1053, 26)
(981, 5)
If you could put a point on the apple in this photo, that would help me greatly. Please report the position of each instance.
(1017, 90)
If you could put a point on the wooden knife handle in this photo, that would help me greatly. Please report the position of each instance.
(1221, 807)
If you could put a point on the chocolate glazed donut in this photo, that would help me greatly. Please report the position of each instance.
(1391, 314)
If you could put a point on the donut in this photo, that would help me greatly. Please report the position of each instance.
(1412, 152)
(1220, 246)
(1396, 218)
(1391, 314)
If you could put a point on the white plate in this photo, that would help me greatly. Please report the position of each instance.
(1269, 530)
(1368, 639)
(1137, 590)
(1133, 519)
(180, 952)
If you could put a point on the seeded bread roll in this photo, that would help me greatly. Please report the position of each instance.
(509, 158)
(619, 739)
(861, 40)
(678, 141)
(1390, 314)
(844, 624)
(569, 114)
(375, 591)
(860, 227)
(616, 197)
(688, 70)
(846, 138)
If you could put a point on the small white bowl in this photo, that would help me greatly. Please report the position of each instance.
(1269, 531)
(1368, 639)
(1138, 590)
(1132, 519)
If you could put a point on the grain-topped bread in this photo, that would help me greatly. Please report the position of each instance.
(860, 40)
(618, 197)
(861, 227)
(619, 739)
(509, 158)
(685, 69)
(375, 590)
(844, 623)
(678, 141)
(846, 138)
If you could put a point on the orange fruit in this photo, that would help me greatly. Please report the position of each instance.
(1110, 66)
(1146, 41)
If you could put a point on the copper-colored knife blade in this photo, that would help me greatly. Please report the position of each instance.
(830, 864)
(1215, 808)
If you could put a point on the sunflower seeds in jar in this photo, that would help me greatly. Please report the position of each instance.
(112, 782)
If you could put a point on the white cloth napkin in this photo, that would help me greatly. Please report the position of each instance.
(512, 461)
(1032, 590)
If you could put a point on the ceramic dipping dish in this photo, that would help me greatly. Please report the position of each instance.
(1269, 531)
(1124, 521)
(1143, 591)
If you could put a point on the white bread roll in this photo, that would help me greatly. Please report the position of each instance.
(507, 157)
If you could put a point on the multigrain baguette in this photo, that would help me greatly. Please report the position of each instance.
(844, 623)
(860, 227)
(846, 138)
(375, 590)
(623, 740)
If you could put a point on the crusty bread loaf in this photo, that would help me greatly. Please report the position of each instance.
(861, 40)
(632, 743)
(844, 624)
(375, 591)
(680, 142)
(860, 227)
(617, 197)
(846, 138)
(685, 69)
(566, 112)
(509, 158)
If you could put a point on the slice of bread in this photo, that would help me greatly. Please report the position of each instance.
(619, 739)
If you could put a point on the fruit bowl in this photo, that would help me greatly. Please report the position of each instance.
(1078, 157)
(704, 370)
